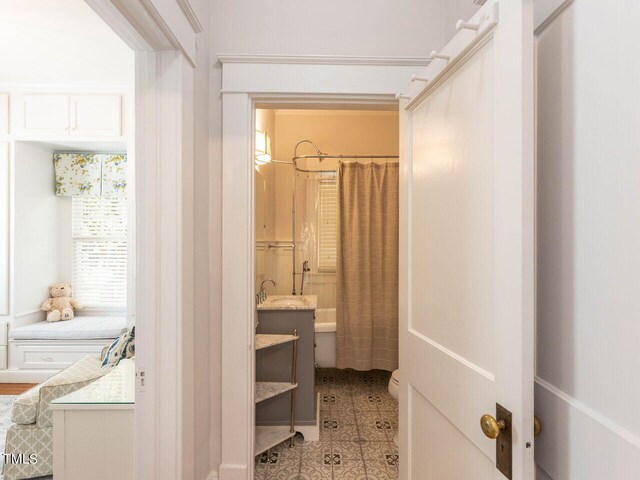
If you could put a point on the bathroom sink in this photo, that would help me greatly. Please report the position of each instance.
(287, 301)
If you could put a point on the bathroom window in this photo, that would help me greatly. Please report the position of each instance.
(99, 226)
(327, 223)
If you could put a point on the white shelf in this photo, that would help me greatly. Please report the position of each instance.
(266, 340)
(267, 437)
(266, 390)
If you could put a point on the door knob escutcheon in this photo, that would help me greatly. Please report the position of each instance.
(491, 427)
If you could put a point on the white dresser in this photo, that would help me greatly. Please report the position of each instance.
(93, 429)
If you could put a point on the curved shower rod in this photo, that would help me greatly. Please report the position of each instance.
(294, 161)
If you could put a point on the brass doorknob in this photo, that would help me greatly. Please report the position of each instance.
(537, 426)
(491, 427)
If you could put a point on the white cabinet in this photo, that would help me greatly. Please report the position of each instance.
(88, 115)
(50, 354)
(96, 115)
(40, 114)
(4, 228)
(4, 114)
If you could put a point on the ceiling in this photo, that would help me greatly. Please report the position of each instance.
(60, 42)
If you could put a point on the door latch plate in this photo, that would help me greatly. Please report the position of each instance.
(504, 459)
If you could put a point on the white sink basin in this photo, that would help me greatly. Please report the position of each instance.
(287, 301)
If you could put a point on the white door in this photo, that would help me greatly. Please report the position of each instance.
(467, 255)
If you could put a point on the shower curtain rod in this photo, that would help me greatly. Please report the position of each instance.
(322, 157)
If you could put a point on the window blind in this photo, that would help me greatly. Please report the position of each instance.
(99, 226)
(328, 223)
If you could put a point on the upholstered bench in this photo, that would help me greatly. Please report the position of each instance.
(32, 432)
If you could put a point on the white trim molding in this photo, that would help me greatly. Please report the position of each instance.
(323, 60)
(191, 15)
(545, 11)
(579, 442)
(317, 80)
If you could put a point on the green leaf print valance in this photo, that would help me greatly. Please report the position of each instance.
(91, 174)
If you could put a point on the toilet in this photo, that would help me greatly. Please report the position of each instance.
(394, 384)
(394, 390)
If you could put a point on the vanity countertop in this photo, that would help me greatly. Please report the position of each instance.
(289, 302)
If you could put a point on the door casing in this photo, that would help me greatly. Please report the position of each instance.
(353, 81)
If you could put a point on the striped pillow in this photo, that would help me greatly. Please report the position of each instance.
(116, 351)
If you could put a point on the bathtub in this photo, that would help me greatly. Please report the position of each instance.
(325, 328)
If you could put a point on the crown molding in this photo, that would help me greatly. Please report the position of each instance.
(190, 13)
(322, 60)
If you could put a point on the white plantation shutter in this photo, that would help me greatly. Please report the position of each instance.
(100, 251)
(328, 223)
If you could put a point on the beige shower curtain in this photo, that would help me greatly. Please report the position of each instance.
(367, 266)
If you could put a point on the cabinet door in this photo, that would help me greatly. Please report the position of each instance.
(4, 114)
(4, 228)
(96, 115)
(40, 114)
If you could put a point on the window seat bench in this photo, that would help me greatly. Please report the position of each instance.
(79, 328)
(50, 347)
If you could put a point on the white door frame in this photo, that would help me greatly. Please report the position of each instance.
(164, 152)
(248, 80)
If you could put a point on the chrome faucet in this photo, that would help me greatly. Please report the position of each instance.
(262, 295)
(305, 270)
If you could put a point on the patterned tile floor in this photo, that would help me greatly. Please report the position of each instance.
(358, 419)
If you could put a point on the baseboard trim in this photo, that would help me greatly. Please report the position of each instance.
(233, 472)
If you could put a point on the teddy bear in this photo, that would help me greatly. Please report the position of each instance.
(60, 306)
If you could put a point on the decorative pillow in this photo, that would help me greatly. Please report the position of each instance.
(116, 351)
(130, 347)
(103, 354)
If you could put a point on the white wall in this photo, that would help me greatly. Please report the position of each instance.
(588, 307)
(55, 42)
(379, 28)
(42, 233)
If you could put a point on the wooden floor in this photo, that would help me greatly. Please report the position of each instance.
(15, 388)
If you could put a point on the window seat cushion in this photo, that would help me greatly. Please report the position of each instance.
(79, 328)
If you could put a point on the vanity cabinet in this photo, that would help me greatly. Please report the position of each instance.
(274, 365)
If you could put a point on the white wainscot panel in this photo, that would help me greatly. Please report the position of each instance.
(578, 442)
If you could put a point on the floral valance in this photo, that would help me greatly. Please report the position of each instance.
(91, 174)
